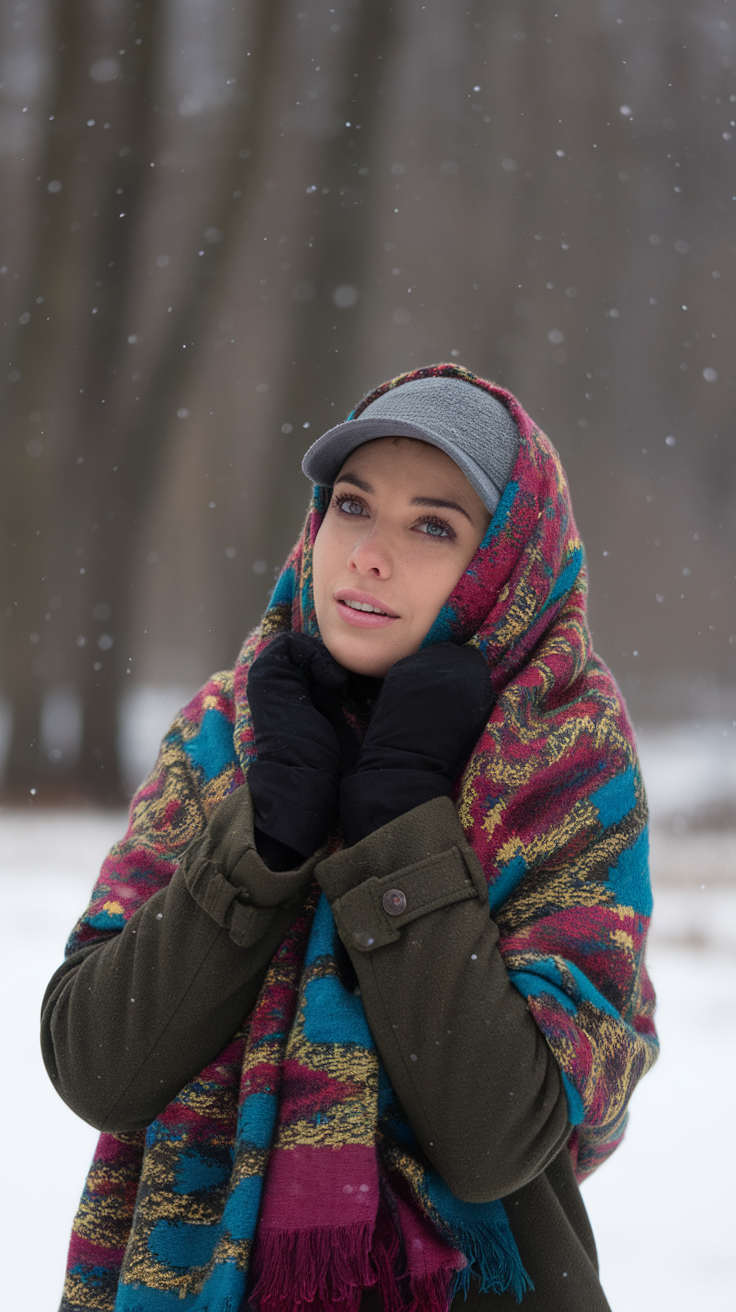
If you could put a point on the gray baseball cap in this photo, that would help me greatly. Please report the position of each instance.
(465, 421)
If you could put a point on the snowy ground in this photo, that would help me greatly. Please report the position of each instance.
(661, 1209)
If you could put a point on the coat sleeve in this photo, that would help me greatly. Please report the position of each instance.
(127, 1022)
(473, 1072)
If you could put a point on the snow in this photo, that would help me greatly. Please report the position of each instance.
(661, 1208)
(47, 865)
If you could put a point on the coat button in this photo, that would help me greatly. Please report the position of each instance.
(394, 902)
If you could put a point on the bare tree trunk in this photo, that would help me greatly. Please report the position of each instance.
(30, 563)
(120, 209)
(325, 335)
(126, 462)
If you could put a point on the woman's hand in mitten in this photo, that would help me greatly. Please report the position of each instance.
(294, 782)
(431, 712)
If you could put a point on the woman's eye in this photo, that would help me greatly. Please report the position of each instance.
(349, 506)
(432, 529)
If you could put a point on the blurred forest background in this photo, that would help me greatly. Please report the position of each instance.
(223, 223)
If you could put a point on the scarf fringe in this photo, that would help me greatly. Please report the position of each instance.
(493, 1258)
(433, 1293)
(385, 1259)
(326, 1268)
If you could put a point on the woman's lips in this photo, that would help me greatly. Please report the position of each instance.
(378, 618)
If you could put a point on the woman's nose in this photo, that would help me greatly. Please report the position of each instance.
(371, 556)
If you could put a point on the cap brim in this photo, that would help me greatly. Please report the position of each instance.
(326, 457)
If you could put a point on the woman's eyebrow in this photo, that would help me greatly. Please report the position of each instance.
(347, 477)
(442, 505)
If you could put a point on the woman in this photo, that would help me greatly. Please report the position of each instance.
(362, 989)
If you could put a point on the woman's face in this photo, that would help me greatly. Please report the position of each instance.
(402, 526)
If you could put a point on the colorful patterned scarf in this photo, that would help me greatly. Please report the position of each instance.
(552, 802)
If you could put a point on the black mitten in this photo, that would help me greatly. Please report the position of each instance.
(431, 711)
(294, 782)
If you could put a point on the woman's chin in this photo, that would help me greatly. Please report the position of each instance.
(361, 657)
(371, 667)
